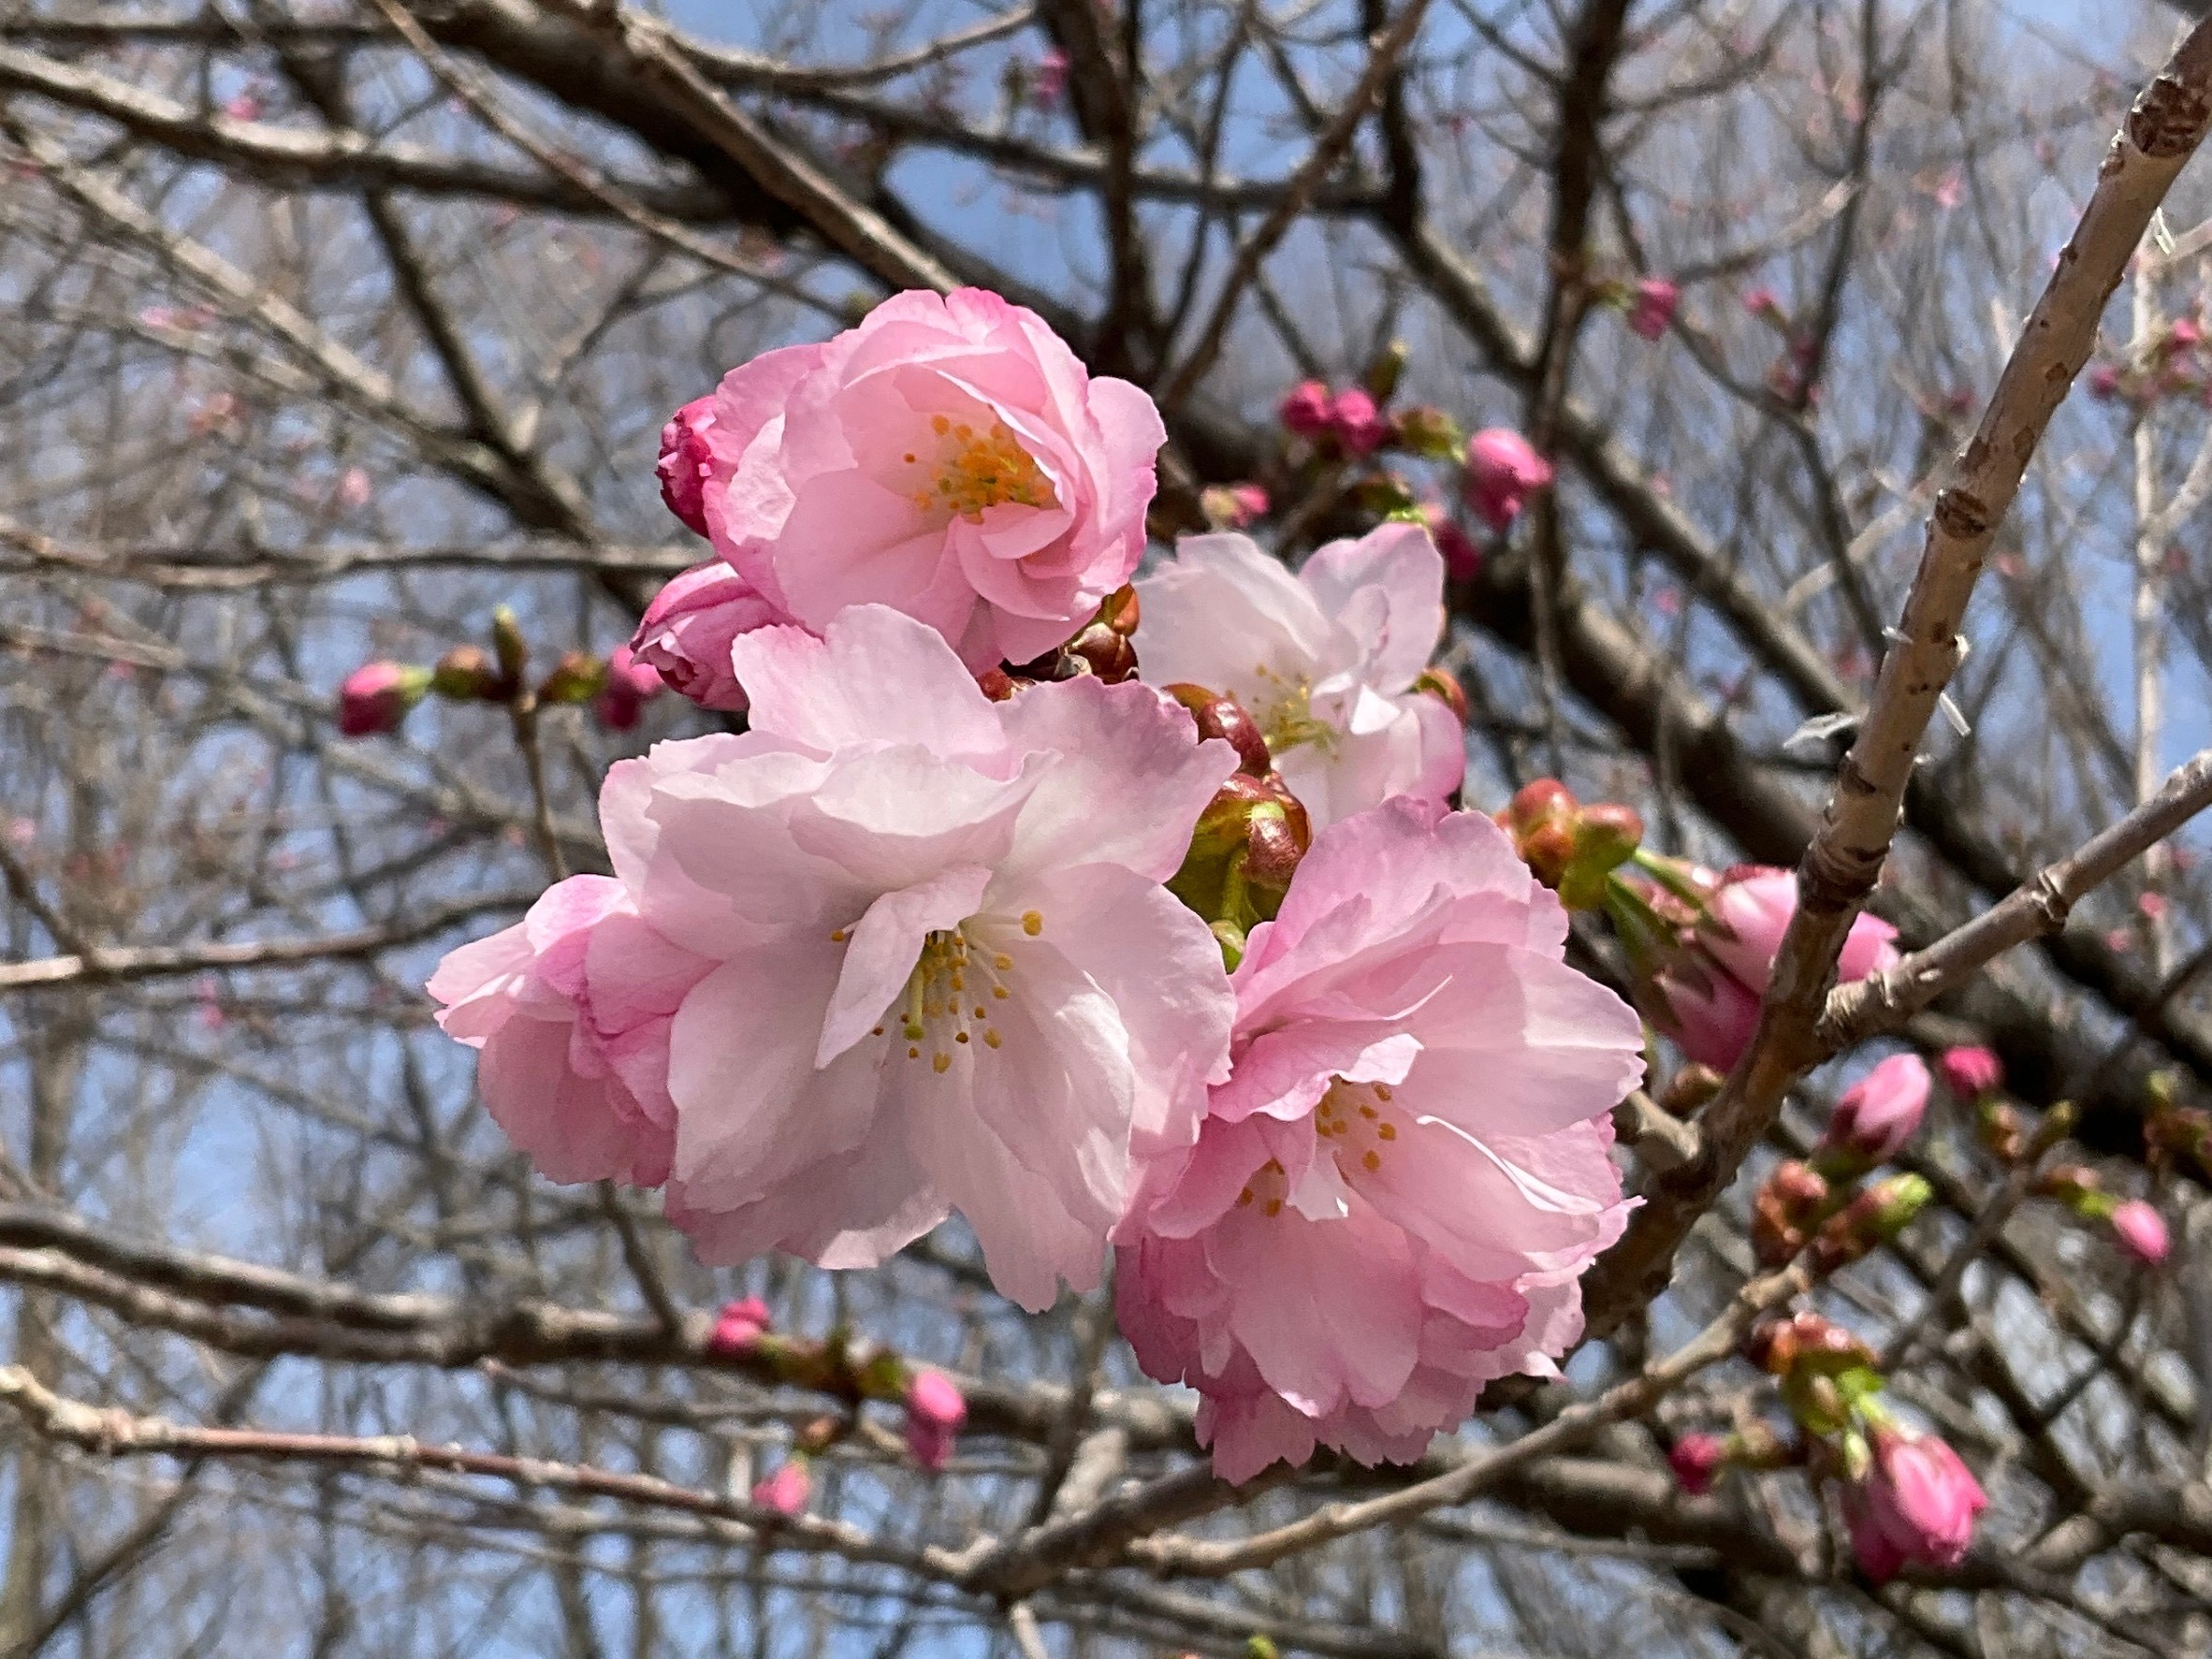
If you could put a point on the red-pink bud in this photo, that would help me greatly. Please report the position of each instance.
(1503, 472)
(2105, 381)
(685, 460)
(1462, 559)
(786, 1491)
(630, 686)
(1227, 718)
(1359, 424)
(1306, 411)
(935, 1411)
(686, 633)
(2141, 1231)
(1761, 302)
(377, 696)
(1654, 308)
(1971, 1071)
(1697, 1460)
(738, 1326)
(1918, 1503)
(1881, 1112)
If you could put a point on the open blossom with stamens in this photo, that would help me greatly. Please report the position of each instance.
(1400, 1182)
(950, 458)
(571, 1008)
(947, 975)
(1325, 659)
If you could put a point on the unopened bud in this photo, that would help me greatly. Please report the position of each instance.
(1606, 836)
(1443, 685)
(507, 642)
(1430, 433)
(1121, 611)
(785, 1493)
(1541, 820)
(997, 684)
(578, 678)
(377, 696)
(1385, 493)
(1785, 1210)
(1875, 1217)
(1689, 1089)
(1106, 652)
(935, 1411)
(738, 1326)
(467, 674)
(1226, 718)
(1383, 375)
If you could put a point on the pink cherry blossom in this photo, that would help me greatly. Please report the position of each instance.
(1325, 661)
(948, 973)
(1503, 471)
(1652, 312)
(950, 458)
(377, 697)
(686, 633)
(1917, 1505)
(1399, 1184)
(1048, 82)
(1882, 1112)
(785, 1491)
(935, 1411)
(1971, 1072)
(1709, 1014)
(2142, 1232)
(571, 1009)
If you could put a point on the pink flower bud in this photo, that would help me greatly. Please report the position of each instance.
(1048, 82)
(1751, 911)
(686, 631)
(1971, 1072)
(1918, 1503)
(1359, 424)
(786, 1491)
(738, 1326)
(935, 1411)
(1697, 1460)
(1307, 410)
(2104, 383)
(630, 686)
(1652, 311)
(1761, 302)
(2184, 335)
(1709, 1014)
(377, 696)
(1881, 1112)
(1502, 472)
(2142, 1232)
(685, 458)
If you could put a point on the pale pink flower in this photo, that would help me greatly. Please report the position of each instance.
(1406, 1172)
(950, 458)
(686, 633)
(1971, 1071)
(1882, 1112)
(571, 1009)
(1503, 472)
(1652, 312)
(1324, 661)
(935, 1411)
(785, 1491)
(1917, 1505)
(377, 697)
(354, 488)
(2142, 1232)
(949, 975)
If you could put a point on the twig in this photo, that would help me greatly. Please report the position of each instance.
(1840, 868)
(1887, 1000)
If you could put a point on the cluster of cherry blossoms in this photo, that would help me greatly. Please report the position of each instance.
(1115, 911)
